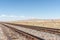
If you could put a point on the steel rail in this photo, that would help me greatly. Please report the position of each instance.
(50, 30)
(27, 35)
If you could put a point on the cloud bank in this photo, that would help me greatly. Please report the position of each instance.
(4, 17)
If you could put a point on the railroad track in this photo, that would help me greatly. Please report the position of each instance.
(10, 33)
(50, 30)
(14, 34)
(26, 32)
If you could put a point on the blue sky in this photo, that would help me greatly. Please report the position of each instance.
(27, 9)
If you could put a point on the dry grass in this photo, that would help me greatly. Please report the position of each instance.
(41, 23)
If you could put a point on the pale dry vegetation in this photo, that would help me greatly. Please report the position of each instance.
(41, 23)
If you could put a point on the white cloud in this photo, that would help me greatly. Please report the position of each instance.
(4, 17)
(11, 16)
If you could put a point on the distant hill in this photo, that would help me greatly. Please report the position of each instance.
(51, 23)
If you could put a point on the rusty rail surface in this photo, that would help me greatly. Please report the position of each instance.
(26, 35)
